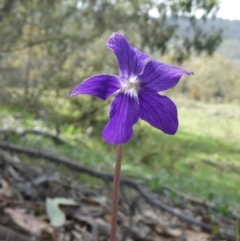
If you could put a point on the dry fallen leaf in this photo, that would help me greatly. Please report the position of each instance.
(29, 222)
(196, 236)
(55, 214)
(5, 189)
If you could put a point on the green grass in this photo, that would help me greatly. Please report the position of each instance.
(207, 132)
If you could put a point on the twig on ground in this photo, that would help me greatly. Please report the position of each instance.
(22, 203)
(223, 166)
(189, 197)
(55, 139)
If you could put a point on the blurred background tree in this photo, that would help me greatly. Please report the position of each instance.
(47, 47)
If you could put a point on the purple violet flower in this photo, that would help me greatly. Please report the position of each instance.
(136, 92)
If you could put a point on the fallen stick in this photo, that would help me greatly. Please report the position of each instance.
(188, 197)
(223, 166)
(55, 139)
(109, 177)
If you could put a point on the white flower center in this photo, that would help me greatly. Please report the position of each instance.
(131, 86)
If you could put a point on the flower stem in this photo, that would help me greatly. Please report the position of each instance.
(116, 192)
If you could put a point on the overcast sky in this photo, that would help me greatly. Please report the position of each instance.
(229, 9)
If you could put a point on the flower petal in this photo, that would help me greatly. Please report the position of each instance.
(101, 86)
(159, 111)
(159, 76)
(130, 60)
(124, 113)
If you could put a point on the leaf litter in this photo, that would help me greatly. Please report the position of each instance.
(37, 203)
